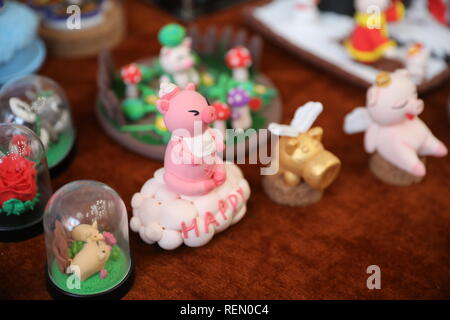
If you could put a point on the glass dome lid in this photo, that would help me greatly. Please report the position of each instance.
(40, 104)
(24, 182)
(86, 234)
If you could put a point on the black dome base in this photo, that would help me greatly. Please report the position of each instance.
(115, 293)
(21, 234)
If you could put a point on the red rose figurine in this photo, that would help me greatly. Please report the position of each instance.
(17, 178)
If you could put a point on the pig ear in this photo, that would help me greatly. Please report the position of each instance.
(95, 225)
(163, 105)
(190, 86)
(372, 96)
(187, 42)
(316, 133)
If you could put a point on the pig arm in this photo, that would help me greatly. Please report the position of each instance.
(370, 138)
(220, 146)
(185, 154)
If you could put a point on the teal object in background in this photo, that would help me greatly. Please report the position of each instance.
(25, 61)
(171, 35)
(21, 51)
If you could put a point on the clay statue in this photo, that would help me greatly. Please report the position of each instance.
(45, 116)
(369, 41)
(191, 164)
(302, 157)
(392, 126)
(84, 232)
(176, 58)
(195, 195)
(90, 260)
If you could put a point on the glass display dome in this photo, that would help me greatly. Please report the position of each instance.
(86, 235)
(40, 104)
(24, 182)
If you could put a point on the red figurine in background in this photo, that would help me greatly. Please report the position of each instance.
(370, 40)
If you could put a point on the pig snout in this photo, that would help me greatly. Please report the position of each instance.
(321, 170)
(418, 106)
(415, 107)
(208, 114)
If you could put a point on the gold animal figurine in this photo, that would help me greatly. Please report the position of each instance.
(305, 168)
(304, 158)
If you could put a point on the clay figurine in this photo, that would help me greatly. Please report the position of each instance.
(239, 60)
(45, 116)
(176, 58)
(306, 11)
(239, 100)
(416, 60)
(394, 133)
(223, 113)
(369, 41)
(131, 76)
(195, 195)
(86, 234)
(305, 167)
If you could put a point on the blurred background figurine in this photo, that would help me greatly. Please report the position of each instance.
(306, 11)
(369, 40)
(394, 133)
(176, 58)
(40, 104)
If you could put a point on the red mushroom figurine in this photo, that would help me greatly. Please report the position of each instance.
(131, 75)
(239, 60)
(223, 113)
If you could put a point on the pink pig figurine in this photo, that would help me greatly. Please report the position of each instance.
(191, 164)
(391, 124)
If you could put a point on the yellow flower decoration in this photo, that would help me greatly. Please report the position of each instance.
(260, 89)
(159, 123)
(151, 99)
(206, 79)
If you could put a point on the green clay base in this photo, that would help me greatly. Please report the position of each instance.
(117, 271)
(59, 150)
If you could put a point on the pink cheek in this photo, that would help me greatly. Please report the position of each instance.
(188, 63)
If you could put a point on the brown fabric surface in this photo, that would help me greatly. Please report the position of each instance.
(275, 252)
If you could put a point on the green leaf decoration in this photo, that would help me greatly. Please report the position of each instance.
(115, 253)
(171, 35)
(17, 207)
(75, 247)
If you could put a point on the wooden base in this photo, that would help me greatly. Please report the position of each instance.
(89, 41)
(390, 174)
(298, 196)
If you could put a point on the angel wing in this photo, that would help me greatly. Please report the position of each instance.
(283, 130)
(357, 121)
(305, 116)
